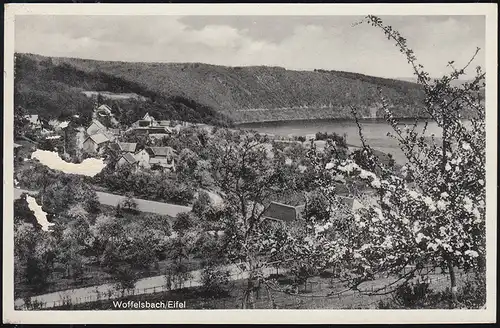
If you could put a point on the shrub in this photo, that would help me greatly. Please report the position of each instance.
(129, 204)
(215, 281)
(413, 294)
(473, 293)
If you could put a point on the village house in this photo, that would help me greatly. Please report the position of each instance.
(162, 158)
(17, 148)
(103, 110)
(287, 213)
(158, 136)
(127, 158)
(96, 127)
(142, 158)
(164, 123)
(153, 130)
(34, 121)
(310, 137)
(146, 121)
(53, 123)
(95, 143)
(115, 132)
(148, 117)
(126, 147)
(283, 213)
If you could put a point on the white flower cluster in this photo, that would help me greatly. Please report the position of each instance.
(471, 253)
(321, 228)
(379, 217)
(349, 167)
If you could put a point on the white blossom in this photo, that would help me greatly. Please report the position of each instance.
(365, 246)
(339, 177)
(419, 237)
(447, 167)
(380, 215)
(466, 146)
(433, 246)
(471, 253)
(413, 194)
(441, 204)
(367, 174)
(348, 168)
(477, 215)
(468, 204)
(329, 166)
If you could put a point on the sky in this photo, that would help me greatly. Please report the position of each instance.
(293, 42)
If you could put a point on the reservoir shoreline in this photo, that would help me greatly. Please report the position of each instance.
(249, 124)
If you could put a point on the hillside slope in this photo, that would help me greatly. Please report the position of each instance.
(262, 93)
(55, 90)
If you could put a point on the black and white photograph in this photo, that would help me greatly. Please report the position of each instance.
(192, 159)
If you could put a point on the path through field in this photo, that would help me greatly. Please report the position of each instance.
(143, 286)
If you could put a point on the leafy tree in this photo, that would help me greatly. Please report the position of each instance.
(439, 220)
(60, 195)
(20, 122)
(187, 163)
(129, 204)
(202, 204)
(34, 253)
(248, 178)
(183, 222)
(215, 281)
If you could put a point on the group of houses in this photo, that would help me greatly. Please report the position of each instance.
(99, 137)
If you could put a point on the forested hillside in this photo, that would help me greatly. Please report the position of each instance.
(202, 92)
(55, 91)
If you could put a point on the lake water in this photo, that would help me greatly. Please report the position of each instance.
(375, 132)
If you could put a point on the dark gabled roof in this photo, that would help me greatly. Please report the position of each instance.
(98, 138)
(144, 123)
(162, 151)
(127, 146)
(286, 213)
(99, 125)
(160, 161)
(104, 107)
(164, 123)
(129, 158)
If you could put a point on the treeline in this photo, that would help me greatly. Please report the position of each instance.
(146, 184)
(229, 89)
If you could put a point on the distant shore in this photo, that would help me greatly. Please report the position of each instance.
(334, 119)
